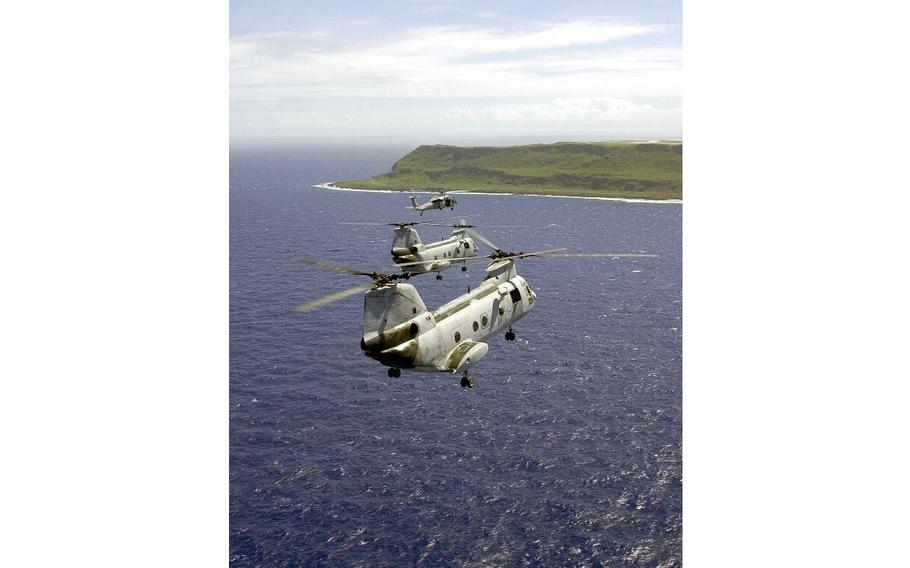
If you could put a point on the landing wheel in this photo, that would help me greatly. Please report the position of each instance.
(394, 372)
(510, 335)
(464, 268)
(438, 276)
(467, 382)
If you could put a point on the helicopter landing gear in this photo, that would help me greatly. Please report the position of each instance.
(394, 372)
(466, 381)
(464, 268)
(510, 335)
(438, 276)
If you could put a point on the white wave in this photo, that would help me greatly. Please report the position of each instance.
(333, 187)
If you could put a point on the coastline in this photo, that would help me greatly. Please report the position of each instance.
(333, 187)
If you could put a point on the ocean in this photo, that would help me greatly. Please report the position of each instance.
(567, 453)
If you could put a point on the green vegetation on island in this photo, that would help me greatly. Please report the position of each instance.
(633, 170)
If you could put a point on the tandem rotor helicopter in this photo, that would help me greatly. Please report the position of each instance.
(417, 257)
(439, 201)
(401, 333)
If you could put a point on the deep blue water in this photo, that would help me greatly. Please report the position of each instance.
(568, 451)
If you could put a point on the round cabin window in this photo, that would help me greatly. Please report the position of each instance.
(483, 321)
(457, 337)
(474, 326)
(501, 311)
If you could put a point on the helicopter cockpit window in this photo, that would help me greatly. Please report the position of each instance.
(516, 295)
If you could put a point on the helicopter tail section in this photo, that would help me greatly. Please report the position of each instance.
(392, 316)
(405, 242)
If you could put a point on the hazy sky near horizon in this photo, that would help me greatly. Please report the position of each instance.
(438, 71)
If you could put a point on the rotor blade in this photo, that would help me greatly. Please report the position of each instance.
(553, 253)
(328, 299)
(364, 223)
(329, 266)
(609, 254)
(419, 262)
(483, 239)
(451, 260)
(537, 253)
(485, 257)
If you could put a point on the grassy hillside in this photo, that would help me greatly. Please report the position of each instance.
(602, 169)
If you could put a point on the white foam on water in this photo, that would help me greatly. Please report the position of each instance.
(333, 187)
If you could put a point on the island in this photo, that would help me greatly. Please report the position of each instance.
(624, 169)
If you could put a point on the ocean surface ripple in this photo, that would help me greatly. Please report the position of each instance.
(568, 451)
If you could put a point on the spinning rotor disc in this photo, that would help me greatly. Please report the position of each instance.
(379, 279)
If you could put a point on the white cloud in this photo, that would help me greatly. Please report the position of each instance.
(577, 67)
(597, 111)
(460, 41)
(602, 117)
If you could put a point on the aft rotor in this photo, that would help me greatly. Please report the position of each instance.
(380, 279)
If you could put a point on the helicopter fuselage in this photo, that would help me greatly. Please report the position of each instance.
(435, 257)
(399, 332)
(438, 202)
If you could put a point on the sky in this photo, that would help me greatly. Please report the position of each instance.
(446, 72)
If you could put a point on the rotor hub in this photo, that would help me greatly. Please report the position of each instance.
(386, 279)
(499, 254)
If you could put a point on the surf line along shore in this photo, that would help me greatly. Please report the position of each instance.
(333, 187)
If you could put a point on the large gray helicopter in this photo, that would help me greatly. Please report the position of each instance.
(400, 333)
(416, 257)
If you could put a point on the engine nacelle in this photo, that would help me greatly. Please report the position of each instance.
(466, 355)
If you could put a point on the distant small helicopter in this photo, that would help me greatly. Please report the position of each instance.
(431, 257)
(439, 201)
(400, 333)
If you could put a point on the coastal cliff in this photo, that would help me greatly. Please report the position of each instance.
(634, 170)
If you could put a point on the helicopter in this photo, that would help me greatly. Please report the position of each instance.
(432, 257)
(439, 201)
(400, 333)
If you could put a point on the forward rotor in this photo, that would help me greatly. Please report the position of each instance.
(463, 225)
(501, 254)
(552, 253)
